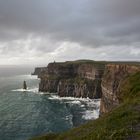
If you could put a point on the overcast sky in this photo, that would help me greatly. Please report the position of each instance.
(39, 31)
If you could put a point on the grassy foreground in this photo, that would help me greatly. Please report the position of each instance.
(121, 124)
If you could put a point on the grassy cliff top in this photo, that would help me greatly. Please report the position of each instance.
(80, 62)
(120, 124)
(87, 61)
(98, 64)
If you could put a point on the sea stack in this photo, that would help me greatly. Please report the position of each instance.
(24, 85)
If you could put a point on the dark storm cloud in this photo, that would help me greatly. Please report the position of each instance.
(90, 22)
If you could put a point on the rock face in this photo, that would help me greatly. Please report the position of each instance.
(79, 88)
(72, 79)
(114, 74)
(87, 79)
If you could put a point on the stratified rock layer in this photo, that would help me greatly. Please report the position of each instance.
(72, 79)
(113, 76)
(87, 79)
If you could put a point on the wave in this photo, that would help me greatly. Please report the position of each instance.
(87, 101)
(82, 105)
(90, 106)
(74, 102)
(56, 97)
(93, 104)
(91, 114)
(35, 90)
(69, 119)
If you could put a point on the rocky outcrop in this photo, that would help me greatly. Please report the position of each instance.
(24, 85)
(73, 79)
(113, 76)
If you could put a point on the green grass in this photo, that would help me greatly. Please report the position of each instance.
(96, 63)
(121, 123)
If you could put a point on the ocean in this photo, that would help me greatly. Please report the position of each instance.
(28, 113)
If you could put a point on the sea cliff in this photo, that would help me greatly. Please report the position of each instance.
(39, 70)
(119, 89)
(74, 79)
(87, 79)
(112, 79)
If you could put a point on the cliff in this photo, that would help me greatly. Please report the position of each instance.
(122, 122)
(112, 79)
(118, 85)
(87, 79)
(39, 70)
(75, 79)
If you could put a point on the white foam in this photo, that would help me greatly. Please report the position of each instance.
(91, 114)
(75, 102)
(35, 90)
(69, 118)
(82, 105)
(94, 103)
(46, 93)
(56, 97)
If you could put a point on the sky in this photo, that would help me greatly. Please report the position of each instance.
(36, 32)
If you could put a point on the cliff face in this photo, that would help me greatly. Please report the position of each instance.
(113, 76)
(86, 82)
(122, 123)
(72, 79)
(79, 88)
(93, 80)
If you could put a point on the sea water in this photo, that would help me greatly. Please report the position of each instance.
(28, 113)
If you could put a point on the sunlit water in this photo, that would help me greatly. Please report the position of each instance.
(28, 113)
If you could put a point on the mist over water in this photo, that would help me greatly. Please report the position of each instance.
(12, 70)
(28, 113)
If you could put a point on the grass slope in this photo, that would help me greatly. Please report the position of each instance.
(120, 124)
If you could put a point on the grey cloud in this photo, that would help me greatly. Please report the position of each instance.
(41, 26)
(21, 47)
(91, 22)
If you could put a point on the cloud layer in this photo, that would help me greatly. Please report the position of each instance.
(31, 30)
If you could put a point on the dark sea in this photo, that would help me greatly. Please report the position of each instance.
(28, 113)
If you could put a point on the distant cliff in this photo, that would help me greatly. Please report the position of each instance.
(39, 70)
